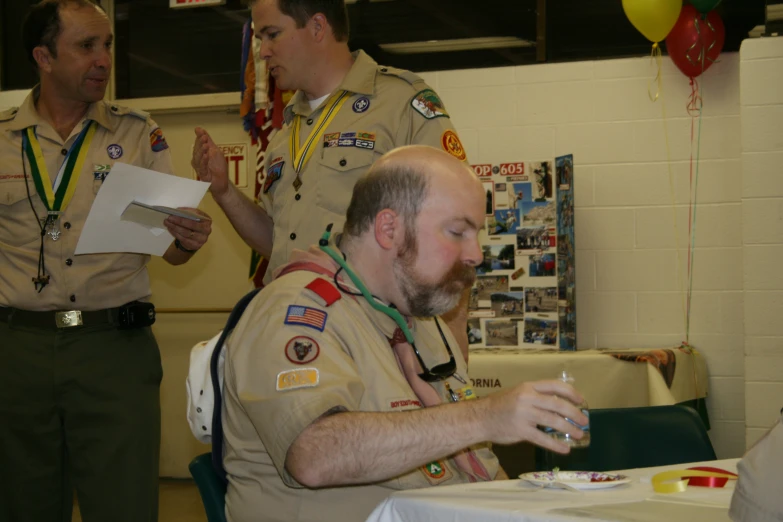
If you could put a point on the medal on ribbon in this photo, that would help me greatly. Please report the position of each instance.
(56, 195)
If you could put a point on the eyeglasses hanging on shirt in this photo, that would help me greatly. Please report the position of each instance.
(56, 194)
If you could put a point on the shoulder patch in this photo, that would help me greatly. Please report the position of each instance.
(453, 145)
(293, 379)
(428, 104)
(306, 316)
(157, 141)
(325, 290)
(8, 114)
(408, 76)
(302, 350)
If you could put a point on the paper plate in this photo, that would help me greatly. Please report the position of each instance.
(576, 479)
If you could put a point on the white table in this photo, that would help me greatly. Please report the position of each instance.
(505, 501)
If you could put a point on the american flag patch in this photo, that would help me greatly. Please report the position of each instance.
(306, 316)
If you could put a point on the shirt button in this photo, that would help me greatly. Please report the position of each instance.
(298, 197)
(309, 121)
(64, 152)
(69, 262)
(384, 69)
(73, 298)
(343, 163)
(67, 225)
(292, 236)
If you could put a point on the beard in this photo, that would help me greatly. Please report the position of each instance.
(424, 299)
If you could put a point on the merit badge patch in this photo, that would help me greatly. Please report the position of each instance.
(302, 350)
(331, 139)
(306, 316)
(157, 141)
(452, 145)
(294, 379)
(273, 173)
(429, 105)
(114, 151)
(361, 105)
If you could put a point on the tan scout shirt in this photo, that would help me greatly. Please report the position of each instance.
(84, 282)
(280, 377)
(389, 108)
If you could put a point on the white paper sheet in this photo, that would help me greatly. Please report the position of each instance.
(105, 231)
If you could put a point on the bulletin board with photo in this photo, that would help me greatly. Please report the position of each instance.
(524, 295)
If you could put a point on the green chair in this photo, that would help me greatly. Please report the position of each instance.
(624, 438)
(211, 488)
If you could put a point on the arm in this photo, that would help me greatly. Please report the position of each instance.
(250, 221)
(358, 447)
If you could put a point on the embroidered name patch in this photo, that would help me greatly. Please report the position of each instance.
(429, 105)
(273, 173)
(306, 316)
(157, 141)
(302, 350)
(453, 145)
(294, 379)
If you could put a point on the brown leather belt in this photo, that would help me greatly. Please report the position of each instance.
(55, 319)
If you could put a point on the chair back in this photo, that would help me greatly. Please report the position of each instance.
(211, 488)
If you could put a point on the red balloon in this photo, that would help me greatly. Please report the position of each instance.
(695, 42)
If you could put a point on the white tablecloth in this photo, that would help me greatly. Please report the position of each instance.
(505, 501)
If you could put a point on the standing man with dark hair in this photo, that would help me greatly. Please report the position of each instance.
(347, 112)
(80, 371)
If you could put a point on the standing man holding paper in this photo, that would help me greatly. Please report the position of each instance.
(80, 369)
(347, 112)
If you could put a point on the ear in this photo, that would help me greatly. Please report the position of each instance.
(43, 58)
(388, 231)
(319, 27)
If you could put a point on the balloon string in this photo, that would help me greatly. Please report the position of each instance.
(657, 55)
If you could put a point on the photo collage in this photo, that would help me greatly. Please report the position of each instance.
(524, 294)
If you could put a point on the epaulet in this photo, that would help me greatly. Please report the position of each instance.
(323, 292)
(120, 110)
(8, 114)
(408, 76)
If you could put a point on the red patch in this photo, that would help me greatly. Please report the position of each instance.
(325, 290)
(302, 350)
(453, 145)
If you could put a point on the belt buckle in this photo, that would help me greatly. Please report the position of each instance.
(68, 318)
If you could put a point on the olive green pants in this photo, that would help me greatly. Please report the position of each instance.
(79, 408)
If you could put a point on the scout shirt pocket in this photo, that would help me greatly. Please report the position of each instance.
(342, 168)
(18, 225)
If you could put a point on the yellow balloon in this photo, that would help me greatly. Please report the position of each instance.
(653, 18)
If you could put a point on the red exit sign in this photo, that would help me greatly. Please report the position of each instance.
(177, 4)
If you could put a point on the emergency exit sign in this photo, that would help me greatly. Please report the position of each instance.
(236, 155)
(178, 4)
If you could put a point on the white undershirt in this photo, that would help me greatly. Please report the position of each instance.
(318, 101)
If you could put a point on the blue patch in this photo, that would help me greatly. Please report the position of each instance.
(361, 105)
(273, 173)
(306, 316)
(114, 150)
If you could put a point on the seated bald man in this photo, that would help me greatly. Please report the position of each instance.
(341, 382)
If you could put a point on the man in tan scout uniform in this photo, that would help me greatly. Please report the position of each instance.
(347, 112)
(330, 403)
(80, 370)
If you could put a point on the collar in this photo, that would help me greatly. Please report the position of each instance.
(27, 115)
(359, 80)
